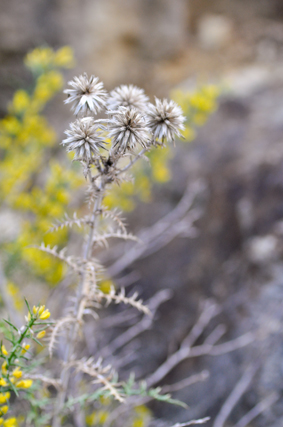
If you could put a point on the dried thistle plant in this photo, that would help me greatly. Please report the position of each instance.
(107, 148)
(130, 123)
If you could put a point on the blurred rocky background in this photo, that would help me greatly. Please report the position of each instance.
(236, 258)
(153, 43)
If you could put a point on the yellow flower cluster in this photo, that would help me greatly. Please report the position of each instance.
(197, 106)
(46, 204)
(25, 142)
(13, 291)
(39, 312)
(11, 377)
(97, 418)
(44, 58)
(9, 422)
(140, 417)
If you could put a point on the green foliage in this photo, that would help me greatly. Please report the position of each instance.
(15, 363)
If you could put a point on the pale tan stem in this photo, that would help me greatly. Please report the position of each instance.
(79, 307)
(129, 165)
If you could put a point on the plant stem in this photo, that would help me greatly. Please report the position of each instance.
(79, 305)
(80, 300)
(132, 162)
(23, 334)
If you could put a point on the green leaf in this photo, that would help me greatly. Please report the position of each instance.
(38, 342)
(11, 324)
(154, 393)
(72, 401)
(27, 304)
(14, 389)
(44, 323)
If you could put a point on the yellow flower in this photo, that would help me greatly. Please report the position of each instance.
(42, 93)
(40, 334)
(43, 58)
(102, 417)
(1, 421)
(90, 419)
(34, 310)
(14, 291)
(47, 84)
(20, 102)
(25, 348)
(64, 57)
(39, 58)
(6, 141)
(4, 409)
(161, 173)
(17, 373)
(105, 401)
(24, 384)
(211, 91)
(4, 351)
(41, 309)
(4, 366)
(10, 422)
(55, 80)
(4, 397)
(106, 286)
(138, 422)
(11, 125)
(45, 315)
(143, 411)
(3, 382)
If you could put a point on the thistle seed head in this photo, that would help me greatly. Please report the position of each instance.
(127, 96)
(127, 128)
(84, 139)
(87, 94)
(165, 120)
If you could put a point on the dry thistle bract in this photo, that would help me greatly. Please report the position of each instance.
(84, 139)
(127, 128)
(127, 96)
(165, 120)
(87, 94)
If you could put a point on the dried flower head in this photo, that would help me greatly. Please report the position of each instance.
(127, 128)
(127, 96)
(165, 120)
(87, 94)
(84, 138)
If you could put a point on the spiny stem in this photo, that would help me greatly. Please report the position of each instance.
(65, 377)
(129, 165)
(80, 300)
